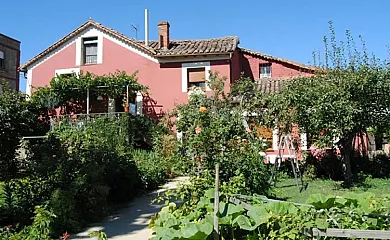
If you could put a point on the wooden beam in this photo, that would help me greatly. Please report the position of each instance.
(351, 233)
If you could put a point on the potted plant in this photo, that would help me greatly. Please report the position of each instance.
(125, 103)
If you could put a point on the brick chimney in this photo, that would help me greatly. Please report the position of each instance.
(163, 35)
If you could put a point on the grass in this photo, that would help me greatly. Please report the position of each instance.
(286, 189)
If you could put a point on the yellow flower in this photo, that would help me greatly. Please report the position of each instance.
(202, 109)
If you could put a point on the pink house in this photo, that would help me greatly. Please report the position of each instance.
(168, 67)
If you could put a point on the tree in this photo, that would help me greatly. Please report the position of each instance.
(213, 132)
(18, 118)
(349, 94)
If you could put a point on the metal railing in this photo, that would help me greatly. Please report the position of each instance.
(82, 120)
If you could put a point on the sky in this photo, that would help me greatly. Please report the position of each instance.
(283, 28)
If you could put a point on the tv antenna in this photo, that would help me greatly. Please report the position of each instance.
(136, 31)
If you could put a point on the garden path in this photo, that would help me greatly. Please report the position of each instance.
(132, 221)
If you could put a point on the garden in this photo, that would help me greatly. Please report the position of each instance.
(73, 174)
(78, 173)
(230, 195)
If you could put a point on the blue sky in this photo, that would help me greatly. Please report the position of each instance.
(288, 29)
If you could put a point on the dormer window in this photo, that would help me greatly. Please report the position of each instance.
(265, 70)
(90, 53)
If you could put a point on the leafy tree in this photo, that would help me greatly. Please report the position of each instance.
(349, 94)
(18, 118)
(213, 132)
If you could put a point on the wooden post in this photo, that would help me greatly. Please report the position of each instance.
(87, 101)
(216, 203)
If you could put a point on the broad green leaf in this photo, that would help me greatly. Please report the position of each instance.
(210, 193)
(321, 223)
(244, 223)
(320, 201)
(233, 208)
(259, 214)
(280, 207)
(196, 231)
(203, 202)
(171, 222)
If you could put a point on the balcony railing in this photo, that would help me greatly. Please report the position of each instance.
(82, 120)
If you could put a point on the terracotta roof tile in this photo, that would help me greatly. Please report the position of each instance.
(270, 57)
(176, 48)
(196, 47)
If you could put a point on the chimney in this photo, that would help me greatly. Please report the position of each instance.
(146, 27)
(163, 35)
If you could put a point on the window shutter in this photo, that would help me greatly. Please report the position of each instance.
(196, 75)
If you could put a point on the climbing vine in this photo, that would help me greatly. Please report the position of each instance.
(73, 88)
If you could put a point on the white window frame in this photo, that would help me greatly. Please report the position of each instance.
(265, 75)
(67, 71)
(2, 53)
(93, 32)
(184, 74)
(87, 41)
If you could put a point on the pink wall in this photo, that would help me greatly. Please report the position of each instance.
(250, 65)
(164, 81)
(223, 68)
(42, 75)
(236, 66)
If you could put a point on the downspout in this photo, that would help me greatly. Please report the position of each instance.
(230, 67)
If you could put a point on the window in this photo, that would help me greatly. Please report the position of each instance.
(90, 46)
(265, 70)
(196, 77)
(67, 75)
(2, 63)
(265, 133)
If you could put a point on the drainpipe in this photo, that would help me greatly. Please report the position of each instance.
(87, 101)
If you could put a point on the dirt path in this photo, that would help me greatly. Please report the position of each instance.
(132, 221)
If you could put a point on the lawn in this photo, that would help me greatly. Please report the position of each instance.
(287, 190)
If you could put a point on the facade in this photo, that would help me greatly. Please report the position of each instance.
(168, 67)
(9, 60)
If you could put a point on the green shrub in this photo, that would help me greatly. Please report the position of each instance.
(153, 168)
(19, 198)
(18, 118)
(213, 132)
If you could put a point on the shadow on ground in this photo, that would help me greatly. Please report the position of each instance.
(132, 221)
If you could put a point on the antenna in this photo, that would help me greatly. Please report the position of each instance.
(136, 31)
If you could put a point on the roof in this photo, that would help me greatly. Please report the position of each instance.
(221, 45)
(273, 58)
(176, 48)
(13, 39)
(86, 25)
(268, 85)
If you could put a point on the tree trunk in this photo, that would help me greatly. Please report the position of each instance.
(348, 151)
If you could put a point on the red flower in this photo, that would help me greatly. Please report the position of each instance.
(65, 235)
